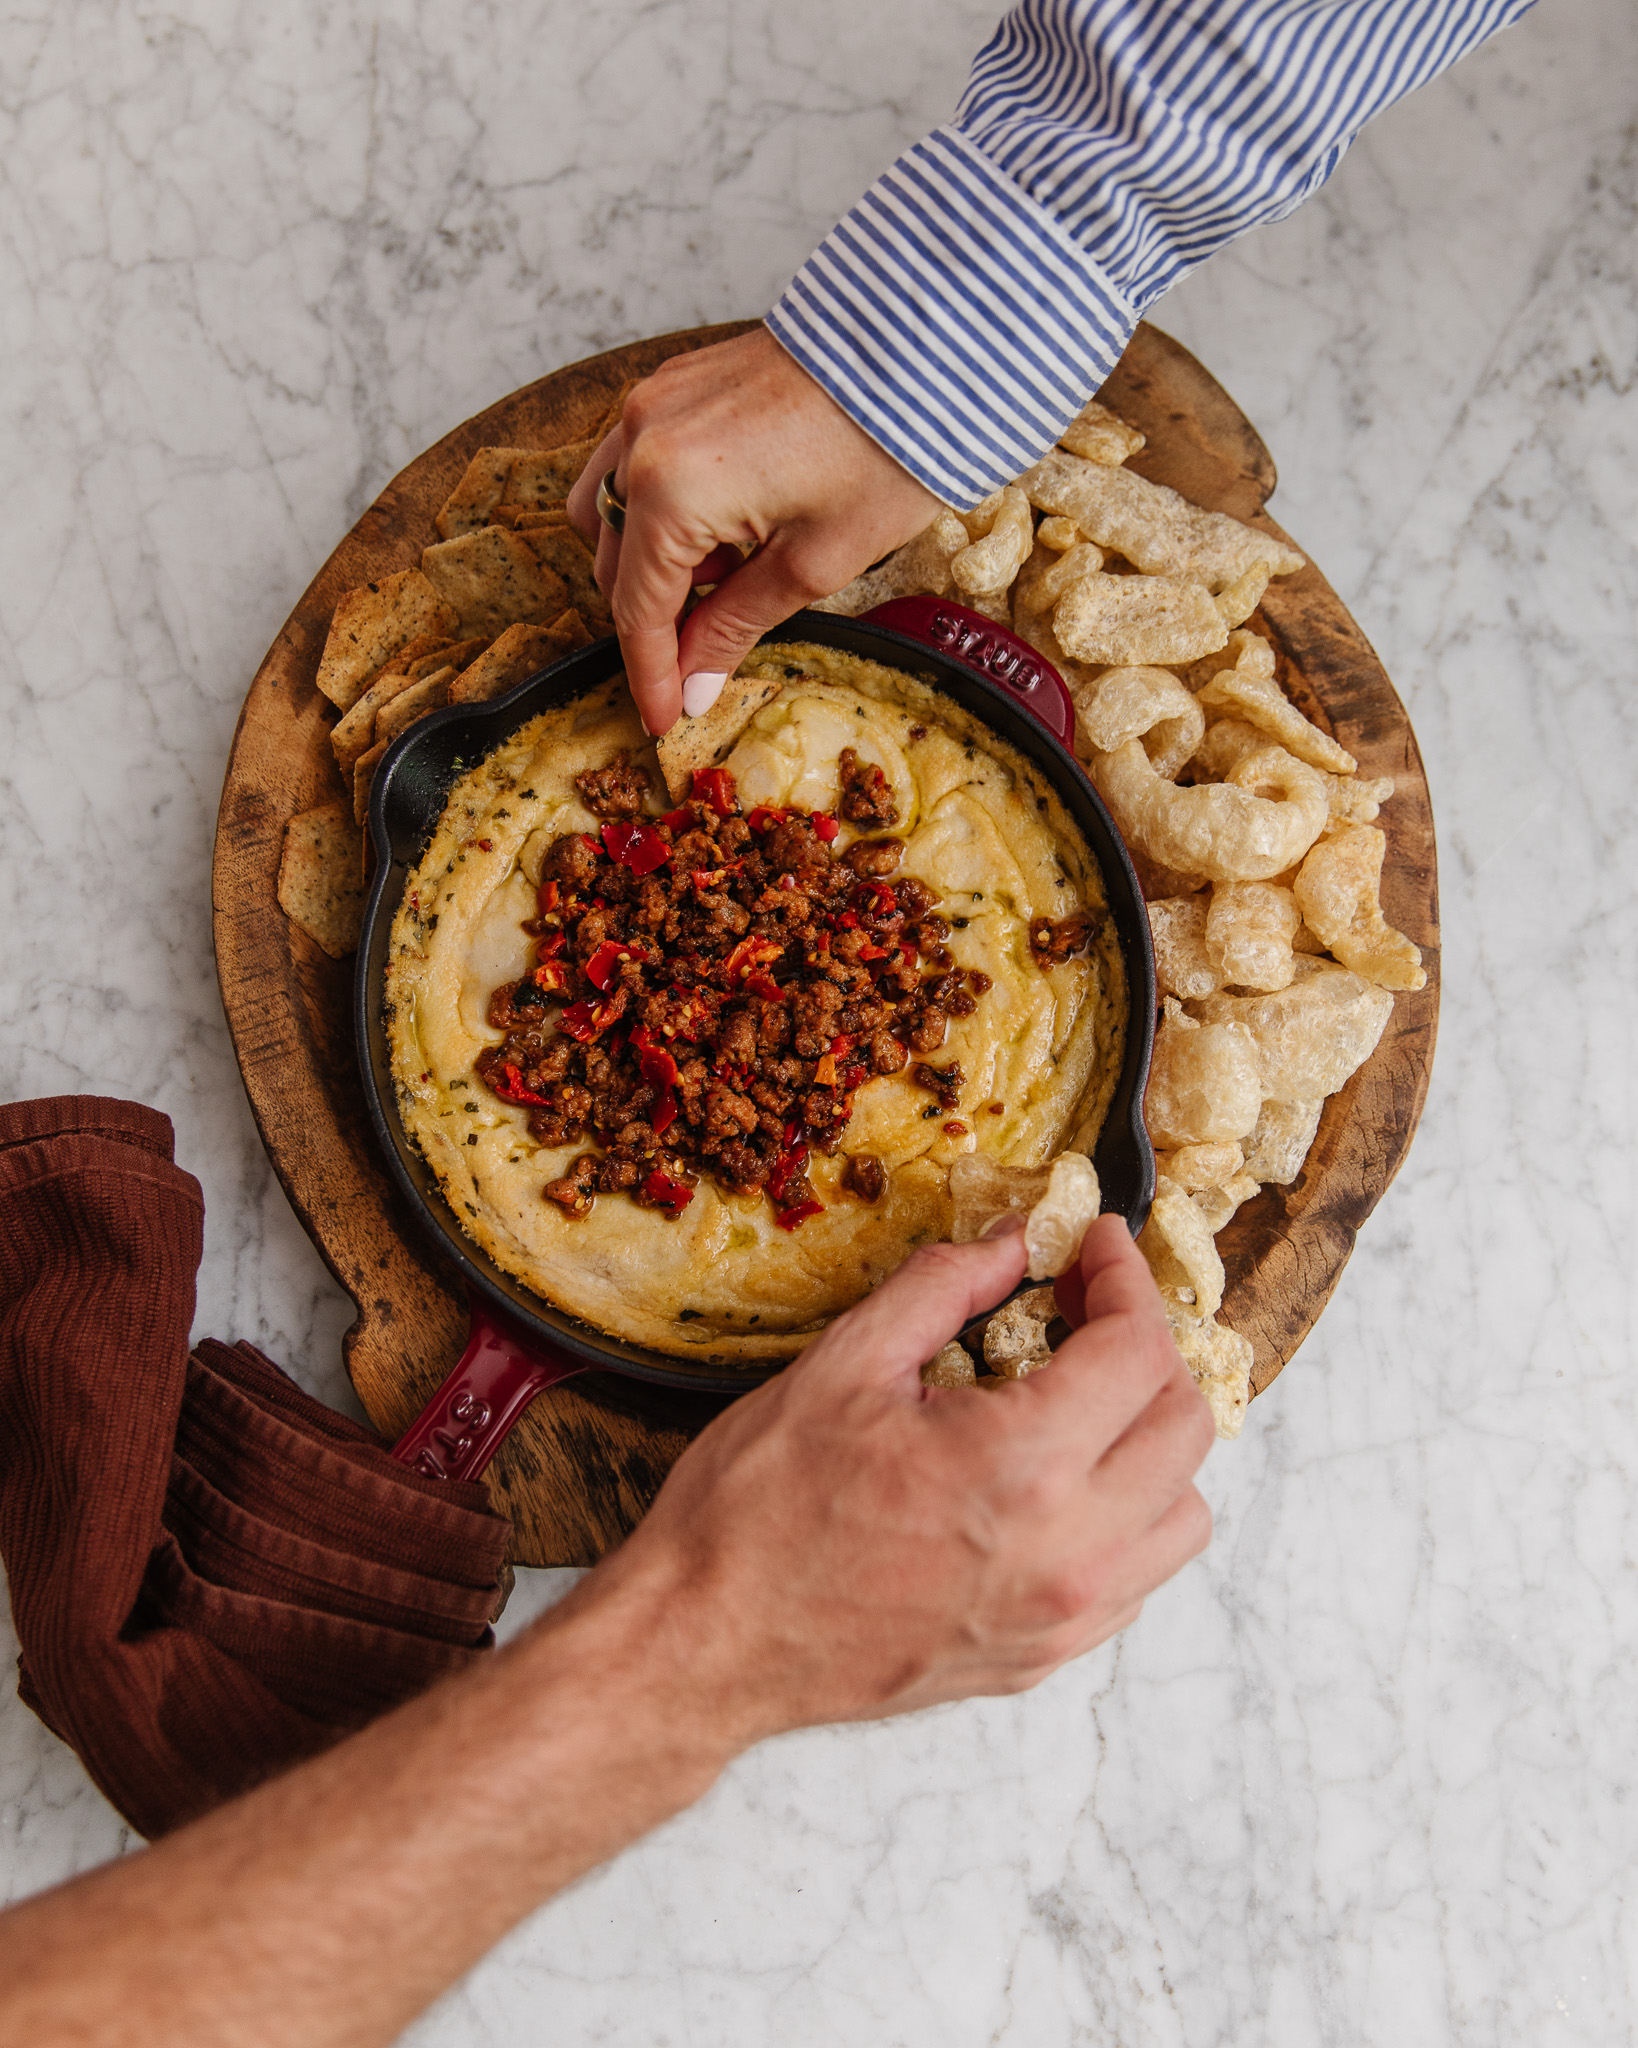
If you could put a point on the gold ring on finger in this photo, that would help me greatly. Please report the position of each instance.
(611, 508)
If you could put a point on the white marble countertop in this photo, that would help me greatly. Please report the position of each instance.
(1364, 1773)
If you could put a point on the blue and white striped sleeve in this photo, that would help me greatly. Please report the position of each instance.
(986, 284)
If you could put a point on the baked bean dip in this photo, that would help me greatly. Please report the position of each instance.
(713, 985)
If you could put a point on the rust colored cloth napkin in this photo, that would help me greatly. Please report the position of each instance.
(211, 1574)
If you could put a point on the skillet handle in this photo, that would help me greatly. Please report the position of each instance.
(461, 1427)
(980, 644)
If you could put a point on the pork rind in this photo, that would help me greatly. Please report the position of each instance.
(1261, 702)
(982, 1189)
(1042, 583)
(1338, 890)
(1202, 1166)
(1062, 1216)
(1308, 1038)
(1246, 650)
(1227, 743)
(921, 566)
(1219, 1362)
(320, 877)
(1179, 1248)
(1218, 1204)
(370, 625)
(1154, 528)
(950, 1366)
(1183, 967)
(1098, 435)
(1149, 704)
(1204, 1081)
(1247, 830)
(493, 580)
(1355, 802)
(1237, 603)
(1059, 1202)
(1249, 931)
(1280, 1143)
(1015, 1338)
(1003, 538)
(1121, 619)
(1060, 535)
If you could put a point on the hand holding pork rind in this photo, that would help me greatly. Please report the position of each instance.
(1254, 835)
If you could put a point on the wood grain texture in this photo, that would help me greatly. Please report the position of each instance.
(582, 1467)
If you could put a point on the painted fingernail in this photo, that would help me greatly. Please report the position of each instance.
(1004, 1226)
(701, 690)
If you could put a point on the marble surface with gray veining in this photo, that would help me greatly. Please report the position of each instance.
(1364, 1774)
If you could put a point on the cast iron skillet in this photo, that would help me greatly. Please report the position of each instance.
(520, 1344)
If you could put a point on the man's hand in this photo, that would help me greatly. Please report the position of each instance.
(846, 1542)
(842, 1543)
(734, 448)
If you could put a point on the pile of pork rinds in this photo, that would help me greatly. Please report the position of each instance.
(1254, 838)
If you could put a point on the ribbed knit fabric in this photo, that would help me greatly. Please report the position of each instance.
(211, 1574)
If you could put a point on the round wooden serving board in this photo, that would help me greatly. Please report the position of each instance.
(584, 1464)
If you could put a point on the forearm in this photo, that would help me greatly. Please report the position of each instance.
(332, 1905)
(987, 283)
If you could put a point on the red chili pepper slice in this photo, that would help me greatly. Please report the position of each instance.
(551, 977)
(548, 897)
(604, 964)
(750, 954)
(763, 816)
(636, 846)
(825, 826)
(588, 1020)
(510, 1088)
(677, 819)
(716, 787)
(855, 1077)
(551, 945)
(868, 951)
(793, 1218)
(670, 1196)
(790, 1163)
(824, 1071)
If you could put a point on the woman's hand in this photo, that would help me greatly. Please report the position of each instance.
(846, 1543)
(733, 447)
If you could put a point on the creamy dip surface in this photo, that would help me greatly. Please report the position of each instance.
(723, 1282)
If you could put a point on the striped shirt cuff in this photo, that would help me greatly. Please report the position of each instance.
(954, 319)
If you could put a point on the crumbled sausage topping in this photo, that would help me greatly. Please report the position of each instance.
(710, 989)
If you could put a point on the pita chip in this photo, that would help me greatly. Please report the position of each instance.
(492, 579)
(560, 549)
(694, 743)
(363, 775)
(543, 476)
(319, 877)
(375, 622)
(520, 652)
(429, 694)
(477, 494)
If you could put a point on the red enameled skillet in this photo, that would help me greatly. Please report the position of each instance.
(520, 1344)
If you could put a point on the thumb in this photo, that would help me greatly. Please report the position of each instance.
(724, 627)
(894, 1331)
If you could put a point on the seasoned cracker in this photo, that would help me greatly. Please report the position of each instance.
(493, 579)
(372, 624)
(319, 877)
(694, 743)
